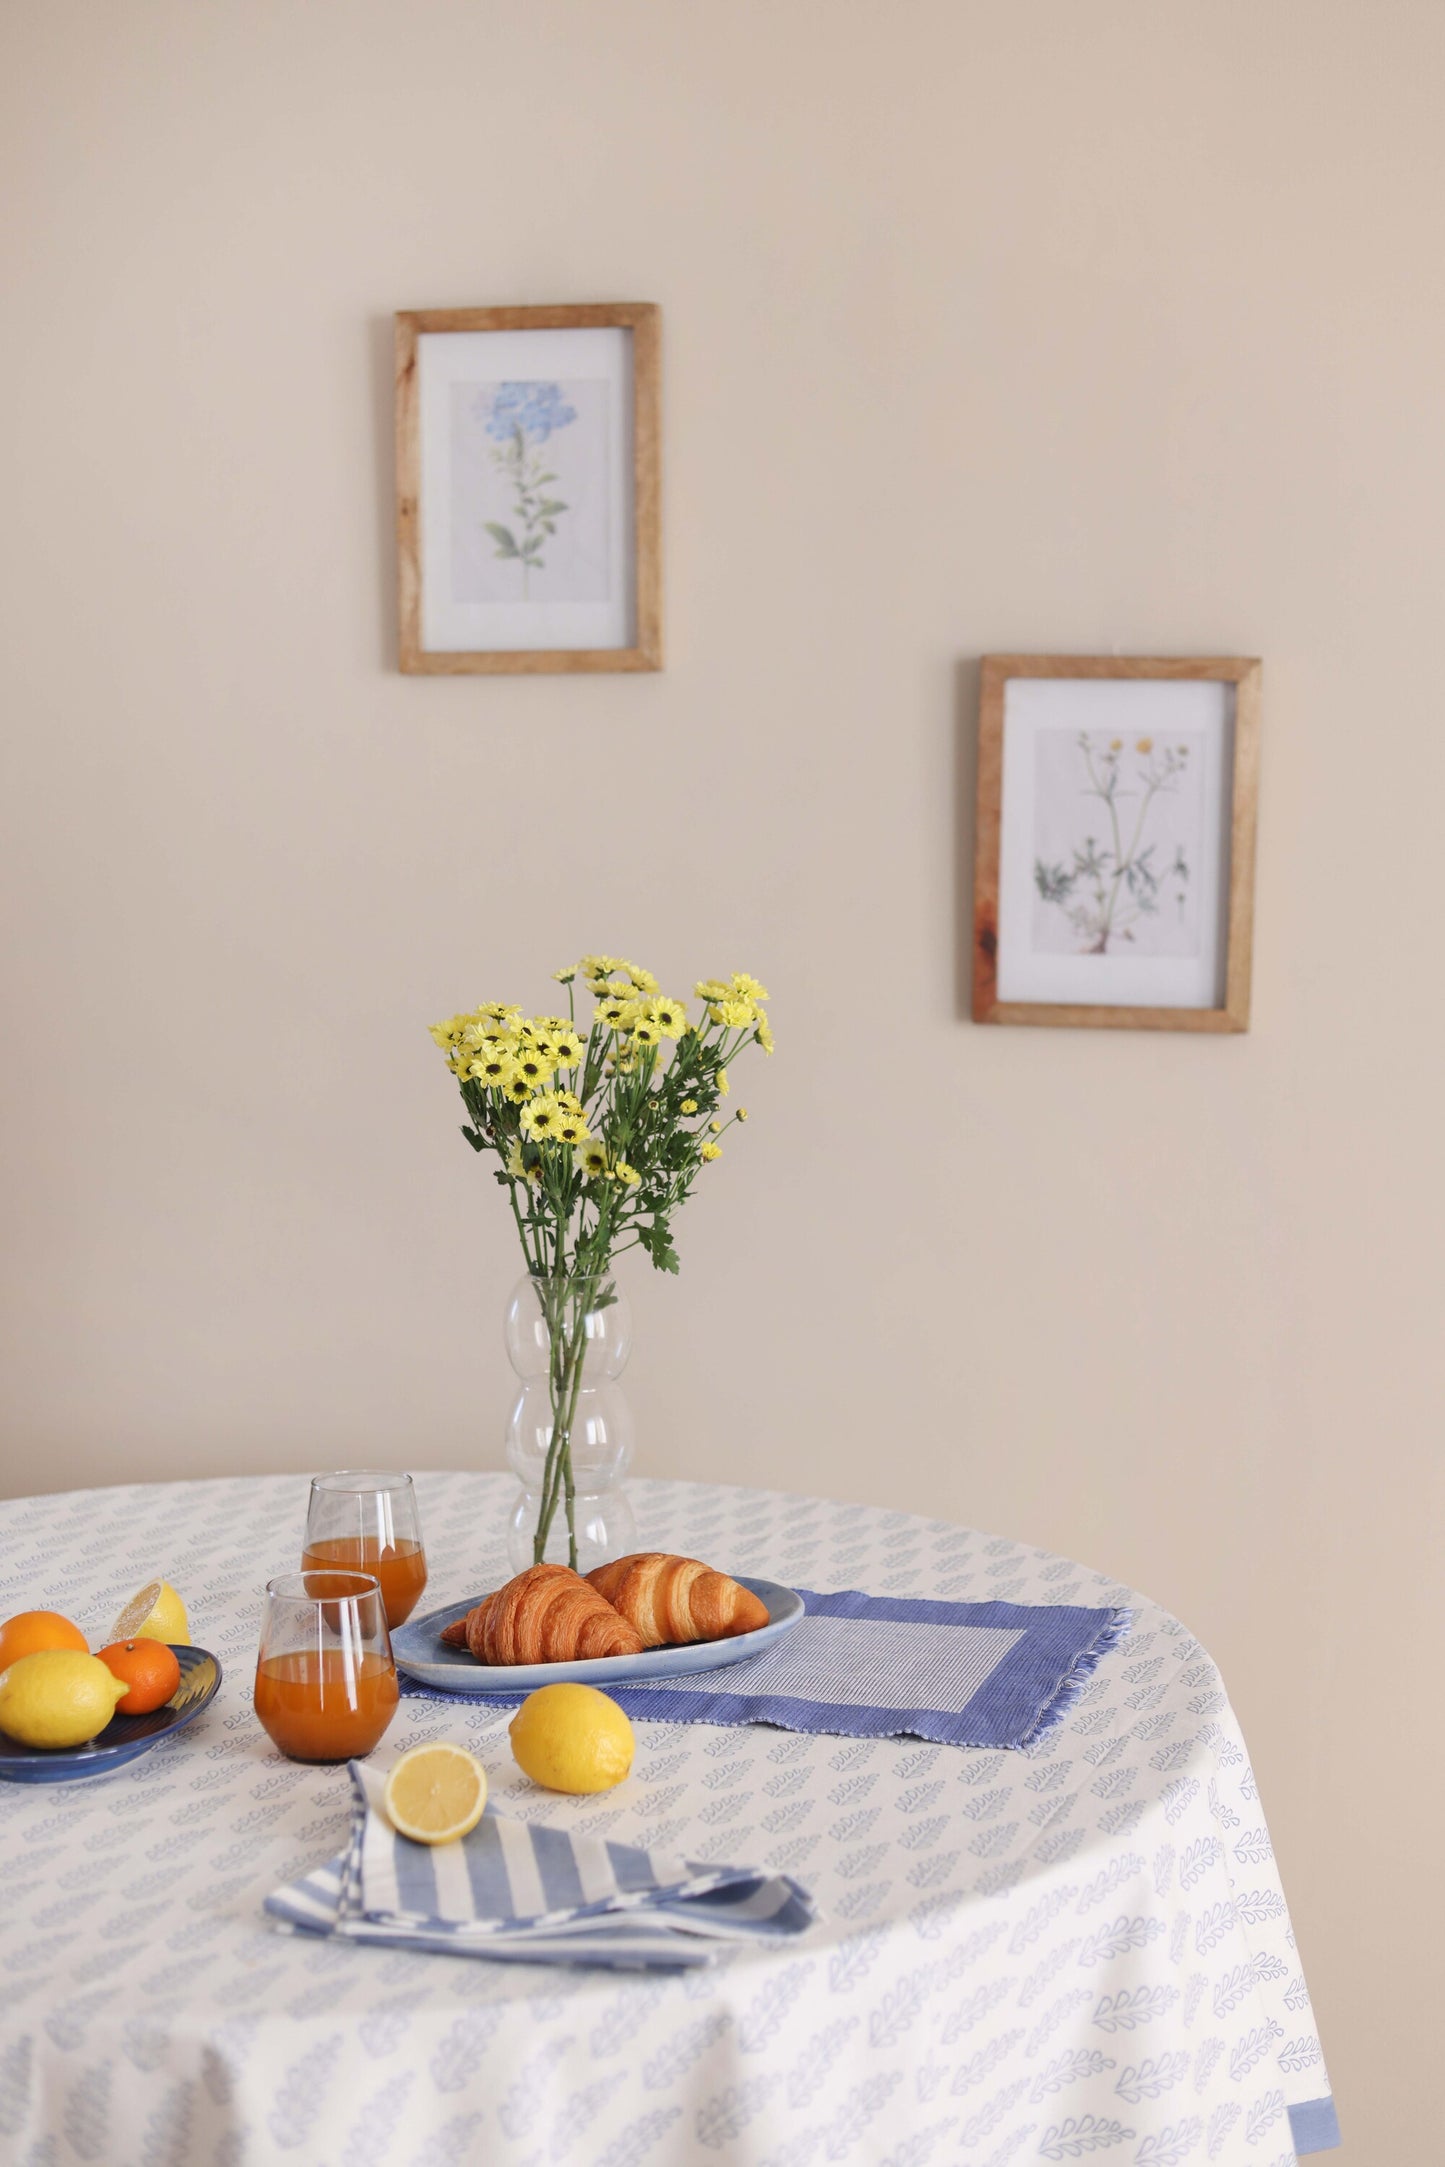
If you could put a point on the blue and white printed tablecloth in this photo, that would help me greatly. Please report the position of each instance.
(1081, 1953)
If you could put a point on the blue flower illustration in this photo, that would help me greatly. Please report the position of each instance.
(535, 409)
(520, 417)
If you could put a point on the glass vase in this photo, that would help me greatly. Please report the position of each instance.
(570, 1436)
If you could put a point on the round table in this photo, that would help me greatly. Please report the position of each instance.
(1081, 1951)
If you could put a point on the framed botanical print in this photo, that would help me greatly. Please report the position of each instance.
(1114, 872)
(528, 488)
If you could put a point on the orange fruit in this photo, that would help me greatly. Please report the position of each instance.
(148, 1667)
(29, 1632)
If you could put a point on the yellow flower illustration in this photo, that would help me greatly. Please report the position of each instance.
(1145, 744)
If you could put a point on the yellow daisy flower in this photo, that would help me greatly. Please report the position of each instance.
(716, 1127)
(502, 1015)
(516, 1088)
(748, 989)
(597, 970)
(741, 1114)
(566, 1046)
(689, 1106)
(534, 1065)
(712, 1151)
(518, 1168)
(627, 1174)
(614, 1011)
(721, 1080)
(734, 1013)
(591, 1161)
(540, 1116)
(492, 1064)
(711, 989)
(764, 1034)
(565, 977)
(1145, 744)
(669, 1016)
(641, 979)
(571, 1128)
(644, 1032)
(448, 1033)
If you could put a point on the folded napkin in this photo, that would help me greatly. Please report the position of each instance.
(516, 1891)
(866, 1666)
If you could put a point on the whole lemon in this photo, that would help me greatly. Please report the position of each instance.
(571, 1738)
(57, 1698)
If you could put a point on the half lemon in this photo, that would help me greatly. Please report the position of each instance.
(156, 1613)
(436, 1794)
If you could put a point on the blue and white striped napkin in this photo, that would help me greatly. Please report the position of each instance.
(520, 1892)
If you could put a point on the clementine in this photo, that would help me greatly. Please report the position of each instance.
(150, 1670)
(30, 1632)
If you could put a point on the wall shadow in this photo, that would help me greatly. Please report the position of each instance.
(964, 798)
(380, 334)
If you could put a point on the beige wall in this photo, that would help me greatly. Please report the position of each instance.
(1022, 324)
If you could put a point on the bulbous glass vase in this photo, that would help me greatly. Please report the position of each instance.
(570, 1435)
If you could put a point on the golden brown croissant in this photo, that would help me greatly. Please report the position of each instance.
(670, 1599)
(548, 1614)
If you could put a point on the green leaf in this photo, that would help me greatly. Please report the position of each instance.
(502, 536)
(549, 505)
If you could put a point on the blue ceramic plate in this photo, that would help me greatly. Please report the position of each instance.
(421, 1653)
(124, 1736)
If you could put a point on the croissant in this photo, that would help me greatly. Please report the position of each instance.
(670, 1599)
(548, 1614)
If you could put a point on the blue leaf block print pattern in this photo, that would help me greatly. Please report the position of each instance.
(1137, 2000)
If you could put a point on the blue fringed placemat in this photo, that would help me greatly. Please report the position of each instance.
(867, 1666)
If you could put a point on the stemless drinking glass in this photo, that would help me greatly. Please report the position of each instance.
(366, 1521)
(325, 1680)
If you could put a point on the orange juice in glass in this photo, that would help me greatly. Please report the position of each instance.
(366, 1522)
(325, 1681)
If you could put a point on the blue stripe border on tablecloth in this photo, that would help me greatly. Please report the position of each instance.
(1314, 2125)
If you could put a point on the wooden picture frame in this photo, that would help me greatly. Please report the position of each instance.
(1050, 925)
(471, 423)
